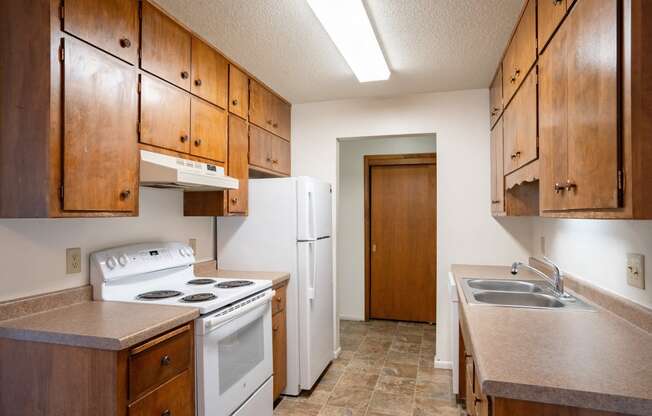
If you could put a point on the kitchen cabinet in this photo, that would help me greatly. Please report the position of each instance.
(148, 379)
(209, 74)
(269, 152)
(520, 126)
(117, 18)
(549, 15)
(496, 97)
(165, 47)
(238, 92)
(497, 176)
(521, 53)
(164, 115)
(279, 339)
(268, 111)
(208, 130)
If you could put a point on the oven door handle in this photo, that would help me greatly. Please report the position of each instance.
(212, 323)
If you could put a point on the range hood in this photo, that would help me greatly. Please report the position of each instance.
(162, 171)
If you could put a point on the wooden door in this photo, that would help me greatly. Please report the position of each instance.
(549, 15)
(165, 47)
(238, 164)
(279, 352)
(553, 122)
(402, 206)
(118, 20)
(209, 74)
(281, 156)
(260, 148)
(593, 103)
(497, 177)
(164, 115)
(496, 97)
(208, 130)
(238, 92)
(100, 119)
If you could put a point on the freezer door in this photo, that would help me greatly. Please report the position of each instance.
(314, 209)
(315, 309)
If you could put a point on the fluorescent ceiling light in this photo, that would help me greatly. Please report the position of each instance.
(347, 23)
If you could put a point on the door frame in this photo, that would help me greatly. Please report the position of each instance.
(385, 160)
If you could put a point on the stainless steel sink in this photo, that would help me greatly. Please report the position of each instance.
(537, 300)
(504, 285)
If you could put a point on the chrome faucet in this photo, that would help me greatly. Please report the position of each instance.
(557, 280)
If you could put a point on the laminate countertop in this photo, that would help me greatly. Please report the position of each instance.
(100, 325)
(588, 359)
(207, 269)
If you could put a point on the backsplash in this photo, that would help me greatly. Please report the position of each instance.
(34, 250)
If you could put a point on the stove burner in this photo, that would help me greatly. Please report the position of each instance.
(201, 281)
(233, 284)
(198, 297)
(159, 294)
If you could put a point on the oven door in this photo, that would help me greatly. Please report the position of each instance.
(234, 356)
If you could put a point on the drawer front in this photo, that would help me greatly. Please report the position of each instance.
(159, 360)
(278, 303)
(174, 398)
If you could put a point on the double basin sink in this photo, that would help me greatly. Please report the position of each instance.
(519, 294)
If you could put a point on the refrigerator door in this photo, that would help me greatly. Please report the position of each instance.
(314, 209)
(315, 309)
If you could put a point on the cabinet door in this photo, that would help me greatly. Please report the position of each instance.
(510, 123)
(238, 164)
(165, 47)
(549, 14)
(553, 121)
(209, 73)
(238, 92)
(470, 395)
(520, 126)
(117, 18)
(164, 115)
(260, 106)
(208, 129)
(260, 148)
(496, 97)
(521, 53)
(281, 156)
(593, 103)
(279, 352)
(281, 123)
(497, 178)
(100, 140)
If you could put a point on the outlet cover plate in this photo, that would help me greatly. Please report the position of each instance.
(636, 270)
(73, 260)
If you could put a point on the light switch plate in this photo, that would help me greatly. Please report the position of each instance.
(73, 260)
(636, 270)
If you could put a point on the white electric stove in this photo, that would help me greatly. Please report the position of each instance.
(233, 334)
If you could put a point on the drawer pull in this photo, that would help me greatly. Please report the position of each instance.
(166, 360)
(166, 412)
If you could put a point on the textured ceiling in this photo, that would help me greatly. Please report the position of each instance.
(430, 45)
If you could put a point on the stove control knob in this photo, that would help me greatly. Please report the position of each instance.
(182, 252)
(123, 260)
(190, 251)
(111, 262)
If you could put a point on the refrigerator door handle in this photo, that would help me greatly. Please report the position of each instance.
(311, 214)
(313, 272)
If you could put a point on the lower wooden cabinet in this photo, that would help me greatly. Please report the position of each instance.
(268, 152)
(279, 340)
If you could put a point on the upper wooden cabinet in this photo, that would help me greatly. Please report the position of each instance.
(521, 53)
(520, 126)
(549, 15)
(497, 176)
(238, 199)
(269, 152)
(165, 47)
(268, 111)
(118, 20)
(496, 97)
(208, 131)
(238, 92)
(209, 74)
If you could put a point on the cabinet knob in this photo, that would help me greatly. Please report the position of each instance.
(517, 72)
(269, 122)
(166, 412)
(495, 201)
(125, 43)
(513, 156)
(198, 82)
(275, 161)
(269, 159)
(275, 328)
(125, 194)
(166, 360)
(235, 102)
(275, 125)
(184, 74)
(197, 142)
(518, 154)
(570, 185)
(512, 80)
(184, 138)
(234, 200)
(556, 2)
(558, 188)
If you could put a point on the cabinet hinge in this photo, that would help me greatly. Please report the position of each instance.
(620, 180)
(62, 52)
(61, 192)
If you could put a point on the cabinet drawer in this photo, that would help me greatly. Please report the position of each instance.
(158, 360)
(174, 398)
(278, 303)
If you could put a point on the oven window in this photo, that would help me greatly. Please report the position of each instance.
(240, 353)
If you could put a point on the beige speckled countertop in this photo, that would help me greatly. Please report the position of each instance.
(101, 325)
(207, 269)
(589, 359)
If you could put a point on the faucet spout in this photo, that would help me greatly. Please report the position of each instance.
(557, 280)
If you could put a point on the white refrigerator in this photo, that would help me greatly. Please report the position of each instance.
(289, 229)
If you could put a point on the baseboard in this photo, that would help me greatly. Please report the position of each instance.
(336, 353)
(351, 318)
(446, 365)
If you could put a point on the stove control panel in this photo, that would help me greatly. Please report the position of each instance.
(131, 260)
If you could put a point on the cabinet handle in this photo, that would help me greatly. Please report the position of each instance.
(166, 412)
(197, 142)
(275, 125)
(125, 43)
(275, 161)
(198, 82)
(184, 138)
(125, 194)
(518, 154)
(235, 102)
(570, 185)
(556, 2)
(269, 122)
(184, 74)
(166, 360)
(559, 188)
(513, 80)
(234, 200)
(494, 201)
(517, 72)
(275, 328)
(269, 159)
(513, 156)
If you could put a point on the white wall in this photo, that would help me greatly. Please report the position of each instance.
(596, 251)
(350, 211)
(466, 232)
(32, 258)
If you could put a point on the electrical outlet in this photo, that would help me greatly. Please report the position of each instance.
(542, 243)
(636, 270)
(193, 244)
(73, 260)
